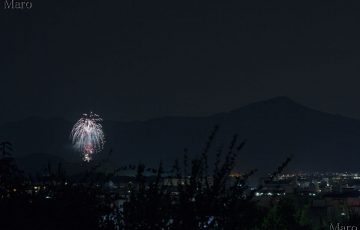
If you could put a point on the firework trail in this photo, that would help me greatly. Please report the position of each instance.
(87, 135)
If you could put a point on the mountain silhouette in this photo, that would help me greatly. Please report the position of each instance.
(273, 129)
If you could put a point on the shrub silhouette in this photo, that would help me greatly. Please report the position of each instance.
(188, 196)
(202, 201)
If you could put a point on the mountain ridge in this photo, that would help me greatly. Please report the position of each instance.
(274, 129)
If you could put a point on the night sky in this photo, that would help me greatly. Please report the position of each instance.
(132, 59)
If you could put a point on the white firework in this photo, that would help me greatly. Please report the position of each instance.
(87, 135)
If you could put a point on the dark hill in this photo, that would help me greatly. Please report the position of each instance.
(274, 129)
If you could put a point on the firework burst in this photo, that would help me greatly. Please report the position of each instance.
(87, 135)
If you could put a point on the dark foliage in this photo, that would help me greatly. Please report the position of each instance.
(194, 199)
(187, 197)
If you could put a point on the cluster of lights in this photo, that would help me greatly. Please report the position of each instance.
(269, 194)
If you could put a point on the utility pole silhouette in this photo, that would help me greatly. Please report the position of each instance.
(6, 148)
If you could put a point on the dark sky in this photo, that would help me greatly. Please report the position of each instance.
(134, 59)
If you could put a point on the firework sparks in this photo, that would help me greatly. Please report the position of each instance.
(87, 135)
